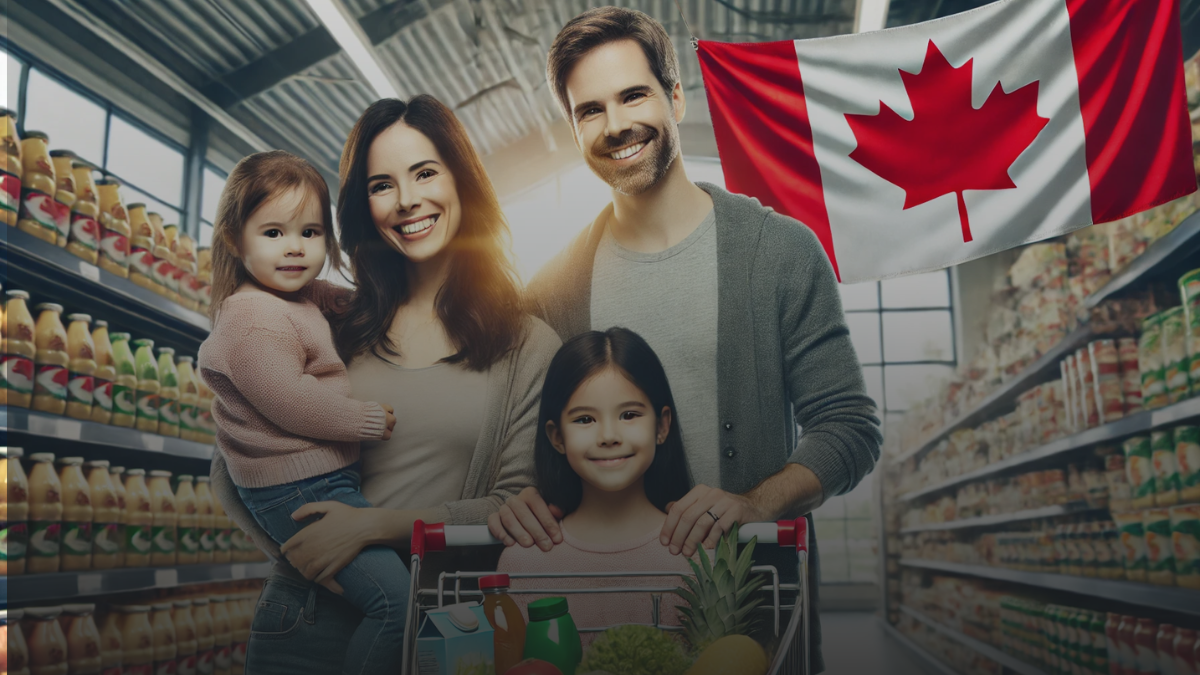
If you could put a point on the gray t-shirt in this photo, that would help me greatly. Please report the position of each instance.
(439, 414)
(670, 299)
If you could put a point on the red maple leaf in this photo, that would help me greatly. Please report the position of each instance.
(949, 145)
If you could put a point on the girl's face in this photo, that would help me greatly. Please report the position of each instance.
(413, 199)
(283, 243)
(609, 432)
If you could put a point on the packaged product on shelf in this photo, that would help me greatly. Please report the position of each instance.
(168, 396)
(168, 274)
(1087, 387)
(204, 519)
(1145, 640)
(185, 637)
(163, 536)
(1166, 470)
(102, 379)
(222, 533)
(50, 362)
(87, 200)
(37, 169)
(83, 640)
(124, 396)
(116, 475)
(185, 505)
(205, 641)
(114, 219)
(12, 641)
(19, 350)
(110, 643)
(1133, 544)
(81, 369)
(1185, 652)
(204, 275)
(11, 140)
(163, 629)
(1115, 555)
(137, 639)
(1139, 470)
(1189, 287)
(64, 180)
(14, 507)
(10, 198)
(45, 515)
(239, 632)
(43, 217)
(1185, 544)
(1187, 457)
(1151, 363)
(1165, 646)
(106, 516)
(1119, 495)
(222, 636)
(1175, 358)
(1192, 317)
(86, 232)
(147, 385)
(77, 516)
(47, 643)
(1131, 377)
(1069, 395)
(187, 399)
(138, 519)
(1106, 373)
(1160, 554)
(204, 398)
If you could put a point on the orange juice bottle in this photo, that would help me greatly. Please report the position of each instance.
(189, 538)
(47, 643)
(138, 519)
(114, 219)
(137, 640)
(19, 351)
(185, 637)
(76, 550)
(141, 249)
(81, 369)
(147, 385)
(18, 651)
(206, 428)
(163, 628)
(110, 644)
(204, 520)
(116, 474)
(106, 516)
(222, 637)
(45, 515)
(508, 625)
(51, 360)
(205, 656)
(222, 533)
(106, 371)
(124, 396)
(16, 514)
(188, 394)
(166, 521)
(168, 393)
(239, 633)
(83, 640)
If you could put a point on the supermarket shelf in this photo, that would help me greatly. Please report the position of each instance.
(1006, 660)
(1126, 426)
(20, 421)
(47, 270)
(1006, 395)
(1168, 598)
(934, 662)
(29, 588)
(1002, 518)
(1178, 245)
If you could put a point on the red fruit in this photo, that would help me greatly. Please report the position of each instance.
(533, 667)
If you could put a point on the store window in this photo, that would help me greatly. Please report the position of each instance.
(140, 159)
(210, 197)
(12, 88)
(73, 121)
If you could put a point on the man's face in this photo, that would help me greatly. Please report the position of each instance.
(625, 125)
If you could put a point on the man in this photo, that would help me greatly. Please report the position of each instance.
(739, 302)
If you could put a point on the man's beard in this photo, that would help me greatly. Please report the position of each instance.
(648, 171)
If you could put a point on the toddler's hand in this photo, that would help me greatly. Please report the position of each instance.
(390, 421)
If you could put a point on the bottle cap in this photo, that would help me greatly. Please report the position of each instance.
(79, 610)
(202, 479)
(185, 478)
(166, 350)
(493, 581)
(135, 205)
(48, 306)
(200, 602)
(132, 609)
(71, 461)
(14, 453)
(63, 153)
(37, 134)
(19, 295)
(43, 613)
(216, 598)
(183, 604)
(116, 469)
(162, 606)
(186, 359)
(117, 337)
(100, 323)
(86, 318)
(547, 608)
(136, 472)
(97, 464)
(42, 457)
(159, 473)
(144, 342)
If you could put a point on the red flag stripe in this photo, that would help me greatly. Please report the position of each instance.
(1129, 61)
(760, 119)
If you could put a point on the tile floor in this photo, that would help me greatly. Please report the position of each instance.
(857, 644)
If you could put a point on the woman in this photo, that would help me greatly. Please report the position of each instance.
(435, 329)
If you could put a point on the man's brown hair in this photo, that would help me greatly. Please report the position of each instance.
(601, 26)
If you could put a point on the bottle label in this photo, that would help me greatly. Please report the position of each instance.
(45, 211)
(44, 538)
(18, 373)
(123, 401)
(142, 260)
(10, 192)
(187, 540)
(223, 658)
(162, 539)
(168, 411)
(102, 393)
(186, 665)
(1140, 471)
(147, 405)
(167, 667)
(187, 417)
(106, 539)
(224, 540)
(14, 540)
(77, 538)
(114, 247)
(51, 381)
(80, 388)
(85, 231)
(207, 543)
(205, 662)
(137, 539)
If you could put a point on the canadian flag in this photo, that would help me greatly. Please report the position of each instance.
(924, 146)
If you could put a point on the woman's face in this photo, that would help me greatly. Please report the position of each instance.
(413, 199)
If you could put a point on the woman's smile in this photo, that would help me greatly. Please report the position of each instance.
(416, 228)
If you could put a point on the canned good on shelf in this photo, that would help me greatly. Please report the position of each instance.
(1185, 544)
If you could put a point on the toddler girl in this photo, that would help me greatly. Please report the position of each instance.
(286, 424)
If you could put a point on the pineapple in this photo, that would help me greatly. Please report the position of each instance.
(721, 595)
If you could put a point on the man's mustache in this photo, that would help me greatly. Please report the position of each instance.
(633, 136)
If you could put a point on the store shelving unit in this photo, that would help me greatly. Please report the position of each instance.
(1006, 660)
(1003, 518)
(31, 588)
(19, 422)
(1178, 245)
(935, 663)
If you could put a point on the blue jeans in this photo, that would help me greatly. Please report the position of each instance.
(375, 582)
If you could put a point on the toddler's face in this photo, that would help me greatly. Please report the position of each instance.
(283, 244)
(609, 431)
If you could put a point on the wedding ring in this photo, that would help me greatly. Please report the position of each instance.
(714, 516)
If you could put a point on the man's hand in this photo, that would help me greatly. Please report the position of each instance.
(690, 524)
(389, 420)
(526, 519)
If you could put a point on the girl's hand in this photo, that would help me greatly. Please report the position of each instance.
(325, 547)
(389, 419)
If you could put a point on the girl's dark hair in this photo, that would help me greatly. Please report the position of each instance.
(581, 357)
(479, 304)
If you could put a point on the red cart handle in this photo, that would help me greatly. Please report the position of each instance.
(794, 533)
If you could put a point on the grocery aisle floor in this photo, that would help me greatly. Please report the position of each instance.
(856, 644)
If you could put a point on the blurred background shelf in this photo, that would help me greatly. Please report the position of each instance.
(20, 424)
(1013, 664)
(27, 588)
(934, 664)
(1180, 245)
(1002, 518)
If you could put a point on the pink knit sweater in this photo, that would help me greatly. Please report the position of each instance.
(601, 610)
(282, 408)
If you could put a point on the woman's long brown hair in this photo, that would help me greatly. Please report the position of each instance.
(479, 304)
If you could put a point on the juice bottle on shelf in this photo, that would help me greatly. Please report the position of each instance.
(106, 516)
(110, 644)
(188, 393)
(102, 387)
(168, 393)
(508, 625)
(204, 520)
(37, 169)
(185, 637)
(114, 220)
(141, 249)
(64, 179)
(163, 627)
(10, 140)
(237, 544)
(222, 637)
(138, 519)
(1185, 657)
(205, 656)
(17, 652)
(137, 640)
(239, 631)
(19, 350)
(39, 211)
(78, 514)
(83, 640)
(165, 264)
(16, 514)
(50, 363)
(189, 539)
(45, 515)
(1164, 644)
(124, 397)
(222, 534)
(47, 643)
(1145, 644)
(166, 521)
(117, 475)
(147, 385)
(84, 241)
(206, 428)
(81, 369)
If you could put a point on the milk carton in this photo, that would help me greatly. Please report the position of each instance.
(455, 640)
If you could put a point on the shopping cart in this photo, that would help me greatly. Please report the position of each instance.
(791, 658)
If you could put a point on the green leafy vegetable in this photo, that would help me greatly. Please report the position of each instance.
(636, 650)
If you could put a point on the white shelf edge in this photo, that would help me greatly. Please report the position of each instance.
(1001, 518)
(35, 588)
(1006, 660)
(14, 420)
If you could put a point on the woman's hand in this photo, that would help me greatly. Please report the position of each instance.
(325, 547)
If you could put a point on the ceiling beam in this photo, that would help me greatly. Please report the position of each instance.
(272, 68)
(518, 73)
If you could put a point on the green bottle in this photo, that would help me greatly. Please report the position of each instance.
(548, 617)
(124, 383)
(147, 385)
(168, 393)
